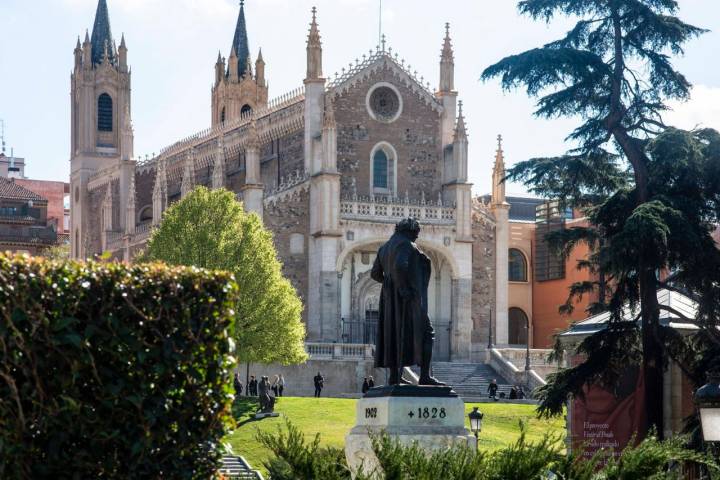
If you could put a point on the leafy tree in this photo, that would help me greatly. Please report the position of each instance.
(650, 192)
(210, 229)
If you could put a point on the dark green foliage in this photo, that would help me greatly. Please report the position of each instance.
(523, 460)
(296, 459)
(650, 192)
(113, 371)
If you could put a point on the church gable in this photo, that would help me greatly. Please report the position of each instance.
(382, 120)
(359, 73)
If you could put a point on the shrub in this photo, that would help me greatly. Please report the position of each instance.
(523, 460)
(113, 371)
(296, 460)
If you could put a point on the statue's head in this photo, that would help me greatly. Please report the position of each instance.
(410, 227)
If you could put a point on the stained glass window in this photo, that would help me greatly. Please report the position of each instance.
(380, 169)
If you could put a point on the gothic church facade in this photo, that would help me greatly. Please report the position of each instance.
(330, 168)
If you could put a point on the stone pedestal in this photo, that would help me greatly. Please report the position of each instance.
(434, 417)
(260, 416)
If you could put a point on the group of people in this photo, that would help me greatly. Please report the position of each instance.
(368, 383)
(277, 386)
(516, 392)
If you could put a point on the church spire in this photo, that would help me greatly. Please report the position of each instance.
(314, 50)
(498, 187)
(240, 42)
(447, 64)
(460, 129)
(101, 34)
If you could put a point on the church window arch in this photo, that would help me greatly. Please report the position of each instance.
(246, 109)
(146, 214)
(383, 164)
(222, 115)
(518, 326)
(517, 266)
(105, 113)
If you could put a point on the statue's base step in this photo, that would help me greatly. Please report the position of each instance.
(260, 416)
(433, 422)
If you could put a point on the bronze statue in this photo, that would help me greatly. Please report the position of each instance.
(405, 335)
(267, 402)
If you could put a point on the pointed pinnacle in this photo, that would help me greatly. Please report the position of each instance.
(122, 41)
(87, 36)
(77, 46)
(260, 57)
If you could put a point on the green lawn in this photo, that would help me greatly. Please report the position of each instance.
(333, 418)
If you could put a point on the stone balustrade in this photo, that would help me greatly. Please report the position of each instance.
(340, 351)
(392, 210)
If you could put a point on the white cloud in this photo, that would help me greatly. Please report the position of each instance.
(702, 110)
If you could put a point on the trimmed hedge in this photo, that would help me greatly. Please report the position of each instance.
(113, 371)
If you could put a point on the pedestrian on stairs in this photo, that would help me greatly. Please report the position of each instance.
(493, 388)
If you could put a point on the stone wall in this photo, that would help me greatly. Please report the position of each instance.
(288, 217)
(483, 266)
(144, 185)
(343, 378)
(414, 135)
(288, 152)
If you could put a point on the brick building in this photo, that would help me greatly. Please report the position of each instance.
(24, 224)
(330, 168)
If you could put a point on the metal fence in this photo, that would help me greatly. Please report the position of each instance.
(359, 331)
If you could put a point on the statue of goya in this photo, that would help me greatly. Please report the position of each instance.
(405, 335)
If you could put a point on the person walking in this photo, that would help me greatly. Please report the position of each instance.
(253, 386)
(274, 387)
(237, 383)
(493, 388)
(319, 382)
(365, 386)
(281, 385)
(371, 382)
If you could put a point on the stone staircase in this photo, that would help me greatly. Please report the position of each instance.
(236, 468)
(469, 379)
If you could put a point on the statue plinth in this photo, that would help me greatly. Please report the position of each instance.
(434, 417)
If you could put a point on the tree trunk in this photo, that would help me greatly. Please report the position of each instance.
(652, 352)
(652, 367)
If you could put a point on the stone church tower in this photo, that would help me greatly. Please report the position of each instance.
(237, 91)
(101, 128)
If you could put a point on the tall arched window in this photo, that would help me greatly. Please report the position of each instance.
(222, 115)
(105, 113)
(518, 327)
(380, 169)
(517, 266)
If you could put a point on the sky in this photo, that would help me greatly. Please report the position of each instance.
(173, 46)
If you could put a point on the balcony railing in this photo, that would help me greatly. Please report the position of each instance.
(393, 209)
(339, 351)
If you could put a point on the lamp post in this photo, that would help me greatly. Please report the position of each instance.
(527, 343)
(476, 418)
(707, 400)
(490, 342)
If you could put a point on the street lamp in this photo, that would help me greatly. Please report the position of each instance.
(527, 343)
(707, 399)
(476, 418)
